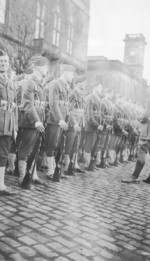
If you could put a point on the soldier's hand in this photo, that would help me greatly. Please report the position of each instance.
(63, 125)
(77, 127)
(100, 127)
(39, 126)
(109, 127)
(125, 133)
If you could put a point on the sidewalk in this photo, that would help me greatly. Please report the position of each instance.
(89, 217)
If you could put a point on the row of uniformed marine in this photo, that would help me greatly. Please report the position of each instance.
(104, 128)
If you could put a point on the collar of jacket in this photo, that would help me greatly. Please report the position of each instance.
(35, 79)
(79, 96)
(64, 84)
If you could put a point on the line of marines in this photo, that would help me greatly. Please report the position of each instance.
(105, 126)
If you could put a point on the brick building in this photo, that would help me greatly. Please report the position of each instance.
(57, 28)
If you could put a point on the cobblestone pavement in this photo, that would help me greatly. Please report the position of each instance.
(88, 217)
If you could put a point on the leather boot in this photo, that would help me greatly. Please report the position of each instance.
(147, 180)
(102, 164)
(44, 162)
(11, 163)
(138, 168)
(91, 166)
(24, 180)
(121, 159)
(135, 175)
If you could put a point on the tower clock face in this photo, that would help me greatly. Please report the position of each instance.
(133, 52)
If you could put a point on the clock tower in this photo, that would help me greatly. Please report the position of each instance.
(134, 53)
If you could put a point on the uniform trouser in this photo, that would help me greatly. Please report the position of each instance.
(29, 137)
(132, 144)
(70, 136)
(5, 143)
(104, 143)
(122, 144)
(82, 139)
(117, 144)
(14, 145)
(53, 134)
(90, 138)
(143, 149)
(112, 143)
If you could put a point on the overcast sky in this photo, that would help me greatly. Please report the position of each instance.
(110, 20)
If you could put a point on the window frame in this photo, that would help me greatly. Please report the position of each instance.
(56, 26)
(3, 10)
(40, 19)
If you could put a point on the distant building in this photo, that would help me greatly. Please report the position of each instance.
(124, 78)
(134, 53)
(57, 28)
(117, 76)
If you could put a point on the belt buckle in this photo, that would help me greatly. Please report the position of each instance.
(3, 105)
(42, 104)
(36, 103)
(12, 105)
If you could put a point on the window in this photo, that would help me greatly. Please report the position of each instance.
(70, 35)
(40, 19)
(2, 11)
(57, 26)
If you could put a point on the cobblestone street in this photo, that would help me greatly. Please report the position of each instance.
(88, 217)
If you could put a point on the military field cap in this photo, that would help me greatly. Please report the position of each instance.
(49, 78)
(3, 53)
(20, 77)
(28, 71)
(80, 78)
(67, 67)
(39, 61)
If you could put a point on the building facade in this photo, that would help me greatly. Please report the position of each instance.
(124, 78)
(117, 76)
(134, 53)
(56, 28)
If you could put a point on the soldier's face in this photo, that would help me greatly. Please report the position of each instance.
(4, 63)
(69, 76)
(81, 88)
(109, 95)
(43, 70)
(100, 87)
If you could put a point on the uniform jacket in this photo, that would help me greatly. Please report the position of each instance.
(76, 109)
(58, 102)
(8, 117)
(92, 113)
(145, 127)
(117, 126)
(32, 106)
(107, 115)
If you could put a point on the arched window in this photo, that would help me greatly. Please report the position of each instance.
(56, 26)
(40, 19)
(2, 11)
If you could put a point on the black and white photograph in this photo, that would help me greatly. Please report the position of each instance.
(74, 130)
